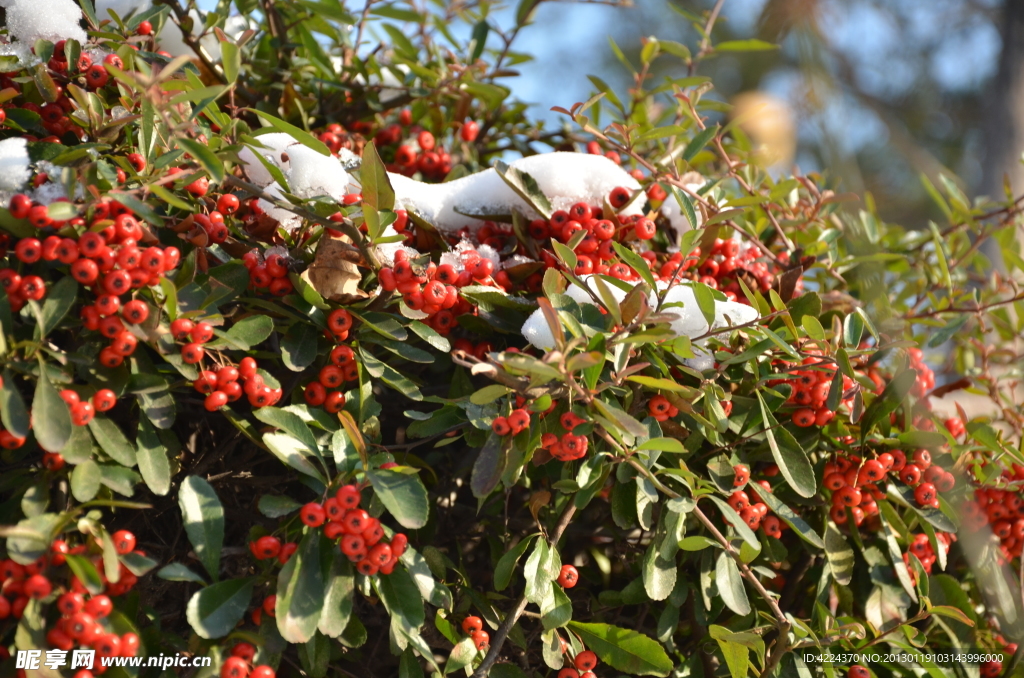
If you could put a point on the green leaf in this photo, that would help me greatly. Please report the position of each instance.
(488, 394)
(205, 157)
(812, 326)
(557, 611)
(59, 300)
(179, 572)
(624, 649)
(378, 194)
(112, 441)
(662, 444)
(839, 554)
(338, 599)
(729, 513)
(86, 573)
(403, 495)
(789, 516)
(947, 332)
(401, 598)
(697, 542)
(489, 465)
(12, 407)
(659, 559)
(506, 566)
(250, 331)
(751, 45)
(539, 572)
(697, 144)
(730, 585)
(705, 301)
(737, 655)
(203, 516)
(154, 465)
(303, 137)
(300, 591)
(290, 423)
(892, 397)
(790, 457)
(294, 453)
(31, 537)
(525, 187)
(51, 420)
(231, 59)
(214, 611)
(298, 347)
(276, 506)
(85, 481)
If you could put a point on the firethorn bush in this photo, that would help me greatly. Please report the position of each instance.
(319, 357)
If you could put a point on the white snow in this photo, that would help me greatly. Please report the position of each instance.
(53, 20)
(14, 162)
(276, 144)
(171, 37)
(690, 321)
(311, 174)
(287, 219)
(673, 211)
(565, 178)
(386, 251)
(121, 7)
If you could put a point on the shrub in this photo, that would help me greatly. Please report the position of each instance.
(302, 372)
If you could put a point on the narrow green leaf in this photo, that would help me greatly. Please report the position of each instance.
(300, 591)
(203, 517)
(790, 457)
(214, 611)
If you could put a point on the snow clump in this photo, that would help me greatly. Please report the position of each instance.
(14, 164)
(53, 20)
(690, 321)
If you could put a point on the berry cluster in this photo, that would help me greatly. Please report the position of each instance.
(83, 620)
(361, 535)
(270, 273)
(228, 383)
(82, 411)
(661, 409)
(568, 447)
(755, 514)
(518, 420)
(434, 290)
(921, 547)
(854, 481)
(999, 505)
(239, 664)
(474, 628)
(408, 149)
(811, 383)
(342, 368)
(583, 665)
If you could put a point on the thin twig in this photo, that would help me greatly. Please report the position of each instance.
(517, 610)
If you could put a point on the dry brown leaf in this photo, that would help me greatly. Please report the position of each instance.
(539, 500)
(333, 273)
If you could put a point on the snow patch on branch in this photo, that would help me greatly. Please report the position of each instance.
(53, 20)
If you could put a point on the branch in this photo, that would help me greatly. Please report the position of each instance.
(517, 611)
(346, 227)
(781, 622)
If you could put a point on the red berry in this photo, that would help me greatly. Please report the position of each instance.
(469, 131)
(215, 401)
(192, 353)
(481, 640)
(267, 547)
(181, 328)
(471, 625)
(135, 311)
(568, 577)
(144, 28)
(201, 333)
(37, 586)
(104, 400)
(82, 413)
(585, 660)
(313, 514)
(262, 671)
(124, 541)
(234, 667)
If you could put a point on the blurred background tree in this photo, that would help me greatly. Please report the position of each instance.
(874, 93)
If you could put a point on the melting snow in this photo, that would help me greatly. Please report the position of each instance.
(53, 20)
